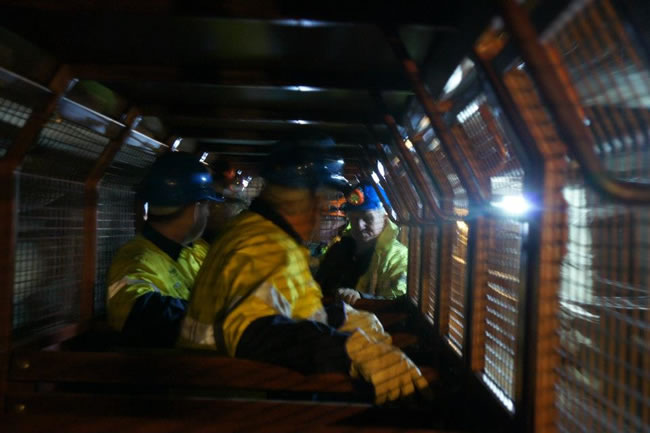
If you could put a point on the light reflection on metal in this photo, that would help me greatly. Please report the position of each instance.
(453, 81)
(203, 157)
(375, 177)
(380, 167)
(177, 143)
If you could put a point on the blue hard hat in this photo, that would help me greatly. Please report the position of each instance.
(364, 197)
(305, 162)
(176, 179)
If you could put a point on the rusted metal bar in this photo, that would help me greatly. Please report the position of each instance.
(460, 166)
(412, 168)
(9, 165)
(563, 109)
(86, 295)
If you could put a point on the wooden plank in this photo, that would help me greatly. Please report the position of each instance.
(175, 370)
(78, 412)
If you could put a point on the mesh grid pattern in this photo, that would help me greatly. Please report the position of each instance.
(430, 276)
(49, 252)
(503, 290)
(490, 149)
(402, 177)
(129, 166)
(435, 157)
(604, 379)
(64, 151)
(414, 264)
(116, 219)
(13, 113)
(611, 82)
(455, 333)
(12, 117)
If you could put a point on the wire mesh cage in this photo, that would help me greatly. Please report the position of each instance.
(409, 195)
(12, 117)
(414, 264)
(430, 272)
(49, 252)
(50, 224)
(503, 293)
(455, 333)
(606, 75)
(489, 149)
(426, 146)
(604, 315)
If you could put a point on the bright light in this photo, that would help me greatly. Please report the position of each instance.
(203, 157)
(301, 122)
(454, 80)
(375, 177)
(408, 144)
(245, 182)
(513, 204)
(303, 88)
(146, 211)
(177, 143)
(380, 167)
(462, 226)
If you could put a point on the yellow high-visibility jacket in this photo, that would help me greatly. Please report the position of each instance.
(140, 267)
(386, 273)
(386, 276)
(253, 270)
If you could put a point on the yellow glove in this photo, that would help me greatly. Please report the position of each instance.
(368, 322)
(388, 369)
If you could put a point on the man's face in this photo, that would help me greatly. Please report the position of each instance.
(366, 225)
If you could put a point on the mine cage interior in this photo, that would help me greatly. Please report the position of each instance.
(512, 139)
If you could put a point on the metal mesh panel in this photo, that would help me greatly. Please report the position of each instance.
(503, 291)
(116, 219)
(50, 224)
(49, 252)
(414, 264)
(490, 149)
(64, 150)
(455, 196)
(12, 117)
(457, 286)
(430, 277)
(403, 178)
(129, 166)
(611, 82)
(604, 379)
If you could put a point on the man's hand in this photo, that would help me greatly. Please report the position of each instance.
(349, 296)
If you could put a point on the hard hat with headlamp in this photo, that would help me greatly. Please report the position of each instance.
(174, 180)
(305, 162)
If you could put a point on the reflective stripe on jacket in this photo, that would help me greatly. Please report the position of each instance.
(140, 267)
(253, 270)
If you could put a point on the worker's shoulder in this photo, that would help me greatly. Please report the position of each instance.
(251, 229)
(138, 250)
